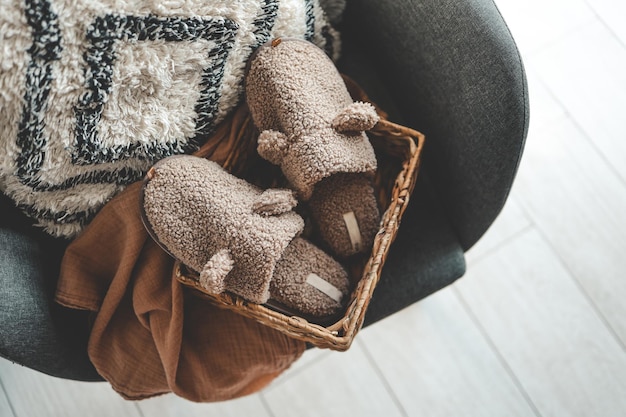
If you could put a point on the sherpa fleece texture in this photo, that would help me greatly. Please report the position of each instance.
(219, 225)
(309, 124)
(94, 92)
(333, 198)
(289, 285)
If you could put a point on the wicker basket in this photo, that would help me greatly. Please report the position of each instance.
(398, 149)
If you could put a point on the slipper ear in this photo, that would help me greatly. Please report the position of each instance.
(357, 117)
(215, 270)
(272, 146)
(275, 201)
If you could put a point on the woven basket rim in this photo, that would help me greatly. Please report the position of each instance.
(340, 334)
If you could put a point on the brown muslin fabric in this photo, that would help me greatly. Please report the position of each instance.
(150, 335)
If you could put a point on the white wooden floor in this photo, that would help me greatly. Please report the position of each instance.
(537, 327)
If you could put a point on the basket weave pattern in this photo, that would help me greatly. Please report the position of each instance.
(398, 150)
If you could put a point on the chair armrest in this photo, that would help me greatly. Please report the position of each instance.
(455, 73)
(34, 331)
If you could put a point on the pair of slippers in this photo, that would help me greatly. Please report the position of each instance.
(246, 240)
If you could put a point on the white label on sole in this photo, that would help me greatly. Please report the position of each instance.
(325, 287)
(353, 230)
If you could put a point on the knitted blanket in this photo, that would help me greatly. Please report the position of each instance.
(94, 92)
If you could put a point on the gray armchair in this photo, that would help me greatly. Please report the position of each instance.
(448, 68)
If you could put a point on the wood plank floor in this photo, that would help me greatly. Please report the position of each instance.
(536, 328)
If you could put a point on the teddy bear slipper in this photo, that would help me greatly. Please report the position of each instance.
(239, 238)
(314, 131)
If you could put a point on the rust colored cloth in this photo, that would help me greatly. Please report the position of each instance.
(150, 335)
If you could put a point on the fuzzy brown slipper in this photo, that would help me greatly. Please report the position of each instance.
(306, 279)
(309, 124)
(230, 232)
(345, 210)
(313, 130)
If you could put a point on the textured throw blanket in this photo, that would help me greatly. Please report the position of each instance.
(93, 92)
